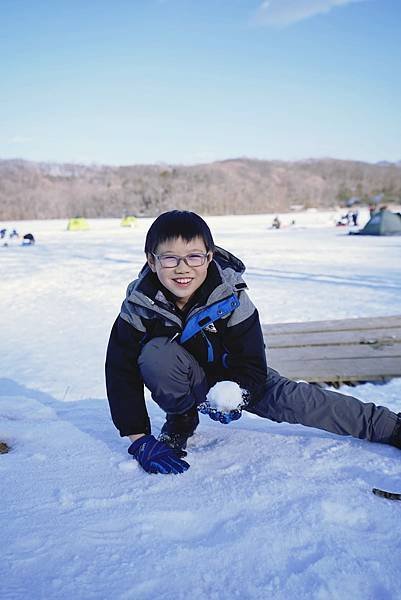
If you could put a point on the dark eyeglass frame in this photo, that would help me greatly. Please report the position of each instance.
(178, 259)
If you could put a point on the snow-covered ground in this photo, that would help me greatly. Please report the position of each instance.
(266, 511)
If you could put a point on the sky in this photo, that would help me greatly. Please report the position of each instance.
(185, 81)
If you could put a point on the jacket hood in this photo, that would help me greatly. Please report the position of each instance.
(144, 295)
(226, 260)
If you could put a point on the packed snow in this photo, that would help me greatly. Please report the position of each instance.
(266, 511)
(225, 396)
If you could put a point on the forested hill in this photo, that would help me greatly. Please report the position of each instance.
(30, 190)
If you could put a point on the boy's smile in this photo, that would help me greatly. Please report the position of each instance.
(181, 280)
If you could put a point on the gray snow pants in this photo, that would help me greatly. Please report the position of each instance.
(177, 382)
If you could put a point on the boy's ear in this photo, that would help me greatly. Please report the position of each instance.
(151, 262)
(209, 257)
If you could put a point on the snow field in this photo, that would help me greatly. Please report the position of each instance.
(266, 510)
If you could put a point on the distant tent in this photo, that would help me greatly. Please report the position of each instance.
(77, 224)
(128, 221)
(383, 222)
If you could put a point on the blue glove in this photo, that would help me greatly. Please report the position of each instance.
(156, 457)
(217, 415)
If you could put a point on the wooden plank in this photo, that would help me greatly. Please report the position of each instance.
(340, 369)
(336, 351)
(321, 338)
(304, 353)
(335, 325)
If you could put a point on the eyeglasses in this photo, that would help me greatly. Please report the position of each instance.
(191, 260)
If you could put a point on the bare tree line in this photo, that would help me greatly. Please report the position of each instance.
(30, 190)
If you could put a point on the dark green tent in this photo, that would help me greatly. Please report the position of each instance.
(383, 222)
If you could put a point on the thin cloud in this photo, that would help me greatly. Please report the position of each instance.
(19, 139)
(284, 12)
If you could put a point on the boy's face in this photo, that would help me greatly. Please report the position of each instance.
(182, 280)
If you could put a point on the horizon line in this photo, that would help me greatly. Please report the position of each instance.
(381, 162)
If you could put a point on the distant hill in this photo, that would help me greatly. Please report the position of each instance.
(30, 190)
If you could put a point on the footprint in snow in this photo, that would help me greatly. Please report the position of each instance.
(201, 442)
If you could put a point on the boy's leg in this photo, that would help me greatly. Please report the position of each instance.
(174, 377)
(177, 383)
(310, 405)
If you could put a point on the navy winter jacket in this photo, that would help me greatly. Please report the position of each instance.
(220, 327)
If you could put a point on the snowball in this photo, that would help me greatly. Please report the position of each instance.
(225, 396)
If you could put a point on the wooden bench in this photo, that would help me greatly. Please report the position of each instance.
(347, 351)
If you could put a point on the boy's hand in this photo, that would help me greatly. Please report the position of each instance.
(156, 457)
(217, 415)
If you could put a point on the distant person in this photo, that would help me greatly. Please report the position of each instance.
(28, 240)
(3, 233)
(14, 234)
(276, 223)
(187, 323)
(350, 217)
(354, 217)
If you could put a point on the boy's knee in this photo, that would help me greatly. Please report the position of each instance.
(162, 359)
(172, 374)
(157, 356)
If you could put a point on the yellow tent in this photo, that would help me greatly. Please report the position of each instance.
(128, 221)
(77, 224)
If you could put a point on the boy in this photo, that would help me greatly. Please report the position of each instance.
(187, 323)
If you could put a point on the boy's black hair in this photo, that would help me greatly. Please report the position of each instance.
(178, 224)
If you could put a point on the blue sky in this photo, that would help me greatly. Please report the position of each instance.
(186, 81)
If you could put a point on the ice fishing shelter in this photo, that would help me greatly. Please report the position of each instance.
(77, 224)
(128, 221)
(383, 222)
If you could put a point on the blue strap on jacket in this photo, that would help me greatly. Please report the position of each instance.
(197, 323)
